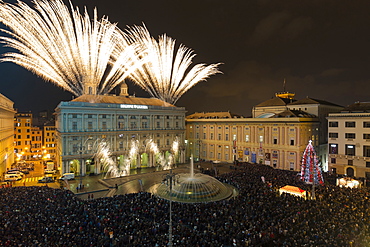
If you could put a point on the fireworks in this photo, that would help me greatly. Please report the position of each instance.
(165, 75)
(85, 56)
(67, 48)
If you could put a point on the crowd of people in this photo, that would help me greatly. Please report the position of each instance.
(257, 216)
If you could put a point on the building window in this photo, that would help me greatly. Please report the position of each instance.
(366, 124)
(367, 164)
(168, 124)
(333, 135)
(350, 135)
(211, 136)
(261, 138)
(350, 162)
(234, 137)
(104, 125)
(226, 137)
(177, 124)
(226, 156)
(197, 135)
(204, 136)
(246, 138)
(219, 137)
(291, 165)
(367, 136)
(333, 160)
(121, 145)
(133, 125)
(89, 125)
(74, 126)
(275, 140)
(121, 125)
(333, 124)
(333, 148)
(292, 142)
(350, 124)
(350, 150)
(366, 150)
(144, 125)
(158, 124)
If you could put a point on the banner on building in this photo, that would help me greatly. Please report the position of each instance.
(254, 157)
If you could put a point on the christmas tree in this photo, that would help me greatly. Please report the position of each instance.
(310, 169)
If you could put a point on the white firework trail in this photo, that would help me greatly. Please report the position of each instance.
(67, 48)
(166, 75)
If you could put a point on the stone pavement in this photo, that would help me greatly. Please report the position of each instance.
(140, 180)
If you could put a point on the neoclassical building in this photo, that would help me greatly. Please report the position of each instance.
(349, 141)
(6, 133)
(226, 137)
(276, 134)
(88, 120)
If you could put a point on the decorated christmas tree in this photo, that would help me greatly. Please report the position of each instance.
(311, 171)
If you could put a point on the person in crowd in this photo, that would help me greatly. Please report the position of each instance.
(257, 216)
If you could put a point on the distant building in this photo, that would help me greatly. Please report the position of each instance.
(6, 133)
(88, 120)
(33, 143)
(349, 141)
(22, 136)
(277, 133)
(49, 141)
(278, 141)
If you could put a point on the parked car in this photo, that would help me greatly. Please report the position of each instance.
(13, 171)
(46, 180)
(50, 171)
(12, 177)
(25, 171)
(67, 176)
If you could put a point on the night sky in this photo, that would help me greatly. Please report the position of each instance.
(321, 47)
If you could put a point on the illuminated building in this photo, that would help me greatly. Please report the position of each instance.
(6, 133)
(225, 137)
(89, 119)
(349, 140)
(277, 133)
(49, 142)
(22, 136)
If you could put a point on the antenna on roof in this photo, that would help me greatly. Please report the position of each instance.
(284, 85)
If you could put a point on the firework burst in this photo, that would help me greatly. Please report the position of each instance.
(66, 47)
(166, 75)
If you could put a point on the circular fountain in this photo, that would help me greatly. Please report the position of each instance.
(192, 188)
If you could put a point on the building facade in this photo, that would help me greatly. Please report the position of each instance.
(6, 133)
(49, 147)
(349, 141)
(89, 120)
(225, 137)
(23, 136)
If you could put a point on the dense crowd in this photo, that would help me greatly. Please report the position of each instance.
(258, 216)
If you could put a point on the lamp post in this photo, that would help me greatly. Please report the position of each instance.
(169, 178)
(81, 148)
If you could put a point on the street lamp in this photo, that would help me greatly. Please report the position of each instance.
(81, 148)
(169, 178)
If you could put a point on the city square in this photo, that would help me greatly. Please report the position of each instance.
(261, 139)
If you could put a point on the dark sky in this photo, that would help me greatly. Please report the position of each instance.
(321, 47)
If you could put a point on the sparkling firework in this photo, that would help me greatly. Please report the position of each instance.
(165, 75)
(67, 48)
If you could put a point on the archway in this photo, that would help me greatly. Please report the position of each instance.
(350, 172)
